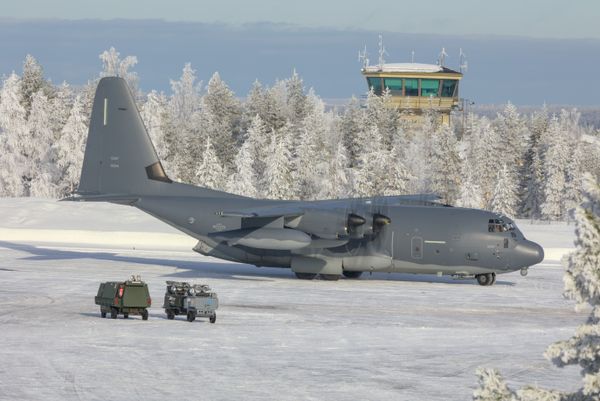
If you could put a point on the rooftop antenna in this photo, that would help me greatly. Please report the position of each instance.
(382, 52)
(362, 56)
(412, 56)
(464, 65)
(442, 57)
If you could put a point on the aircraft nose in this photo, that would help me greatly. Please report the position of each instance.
(529, 253)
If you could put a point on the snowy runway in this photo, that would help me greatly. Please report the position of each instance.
(382, 337)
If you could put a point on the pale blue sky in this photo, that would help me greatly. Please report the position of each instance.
(531, 18)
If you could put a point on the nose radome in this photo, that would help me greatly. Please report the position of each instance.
(529, 253)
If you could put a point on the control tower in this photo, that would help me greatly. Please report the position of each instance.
(417, 87)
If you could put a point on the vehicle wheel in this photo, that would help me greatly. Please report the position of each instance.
(493, 278)
(144, 314)
(191, 316)
(330, 277)
(102, 313)
(125, 315)
(482, 279)
(213, 318)
(306, 276)
(170, 314)
(348, 274)
(114, 312)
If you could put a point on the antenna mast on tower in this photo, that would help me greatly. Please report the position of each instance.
(442, 57)
(362, 56)
(463, 61)
(382, 52)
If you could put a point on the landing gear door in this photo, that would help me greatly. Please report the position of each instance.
(416, 248)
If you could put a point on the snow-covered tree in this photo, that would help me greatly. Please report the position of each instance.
(297, 107)
(582, 284)
(555, 160)
(244, 179)
(370, 174)
(210, 172)
(221, 115)
(261, 101)
(32, 81)
(445, 165)
(351, 127)
(398, 175)
(13, 128)
(505, 198)
(114, 66)
(277, 178)
(534, 165)
(41, 171)
(186, 143)
(69, 149)
(154, 114)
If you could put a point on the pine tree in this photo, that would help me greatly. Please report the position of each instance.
(398, 176)
(221, 119)
(351, 127)
(555, 161)
(210, 173)
(186, 143)
(13, 127)
(32, 81)
(505, 198)
(278, 176)
(69, 149)
(244, 179)
(534, 175)
(154, 114)
(297, 107)
(41, 171)
(114, 66)
(492, 387)
(445, 165)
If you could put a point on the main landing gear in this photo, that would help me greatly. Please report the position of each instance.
(486, 279)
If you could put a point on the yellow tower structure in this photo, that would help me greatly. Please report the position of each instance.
(417, 88)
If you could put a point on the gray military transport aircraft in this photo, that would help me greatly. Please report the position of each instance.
(330, 238)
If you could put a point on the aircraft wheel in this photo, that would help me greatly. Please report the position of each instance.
(306, 276)
(482, 279)
(213, 318)
(144, 314)
(330, 277)
(191, 316)
(349, 274)
(114, 313)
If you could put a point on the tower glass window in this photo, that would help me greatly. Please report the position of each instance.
(411, 87)
(448, 87)
(375, 83)
(430, 87)
(394, 85)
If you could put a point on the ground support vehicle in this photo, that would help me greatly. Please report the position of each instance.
(125, 298)
(191, 300)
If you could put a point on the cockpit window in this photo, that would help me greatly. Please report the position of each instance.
(499, 226)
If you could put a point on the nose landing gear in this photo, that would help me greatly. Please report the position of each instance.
(486, 279)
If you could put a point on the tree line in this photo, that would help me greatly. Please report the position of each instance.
(283, 142)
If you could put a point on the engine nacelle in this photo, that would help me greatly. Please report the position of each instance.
(327, 224)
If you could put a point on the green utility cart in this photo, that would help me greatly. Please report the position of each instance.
(125, 298)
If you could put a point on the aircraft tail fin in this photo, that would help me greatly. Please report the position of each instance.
(119, 156)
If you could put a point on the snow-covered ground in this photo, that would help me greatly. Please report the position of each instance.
(383, 337)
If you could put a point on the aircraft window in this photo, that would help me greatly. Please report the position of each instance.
(499, 226)
(430, 87)
(411, 87)
(375, 83)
